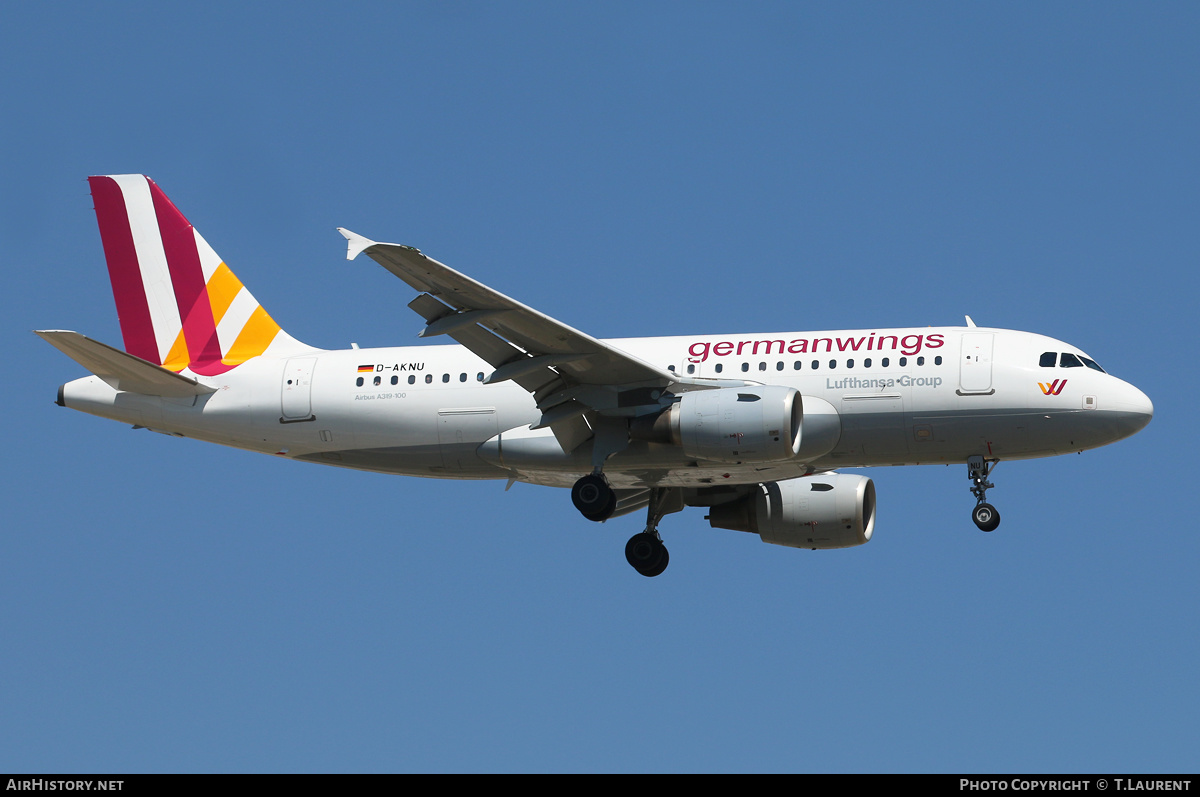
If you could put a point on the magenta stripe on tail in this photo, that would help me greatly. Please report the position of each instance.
(137, 328)
(187, 279)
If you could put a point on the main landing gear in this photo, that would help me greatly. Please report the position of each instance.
(594, 499)
(645, 552)
(984, 514)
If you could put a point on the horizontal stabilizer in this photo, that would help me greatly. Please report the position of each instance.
(122, 371)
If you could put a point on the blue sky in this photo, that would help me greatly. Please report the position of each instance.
(631, 169)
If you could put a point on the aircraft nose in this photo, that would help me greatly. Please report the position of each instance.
(1134, 406)
(1146, 407)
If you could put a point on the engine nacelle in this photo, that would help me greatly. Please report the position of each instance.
(760, 423)
(829, 510)
(752, 424)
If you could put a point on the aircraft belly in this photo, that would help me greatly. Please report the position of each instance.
(432, 433)
(461, 431)
(536, 457)
(421, 460)
(1000, 433)
(670, 477)
(872, 431)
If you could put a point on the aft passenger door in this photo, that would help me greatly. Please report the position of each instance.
(296, 400)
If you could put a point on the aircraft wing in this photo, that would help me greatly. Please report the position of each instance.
(467, 302)
(568, 372)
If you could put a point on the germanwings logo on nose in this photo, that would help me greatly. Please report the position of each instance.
(1054, 388)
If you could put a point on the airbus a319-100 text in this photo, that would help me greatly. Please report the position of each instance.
(755, 428)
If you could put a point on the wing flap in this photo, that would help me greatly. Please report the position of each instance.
(483, 343)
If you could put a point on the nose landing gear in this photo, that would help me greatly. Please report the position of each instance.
(986, 517)
(984, 514)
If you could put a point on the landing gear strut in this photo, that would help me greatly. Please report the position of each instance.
(594, 499)
(984, 514)
(645, 551)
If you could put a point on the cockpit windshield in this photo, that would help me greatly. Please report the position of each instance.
(1068, 360)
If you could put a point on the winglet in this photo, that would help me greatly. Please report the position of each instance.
(355, 243)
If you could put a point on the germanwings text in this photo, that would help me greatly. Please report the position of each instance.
(909, 345)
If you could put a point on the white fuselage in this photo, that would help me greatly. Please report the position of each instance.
(904, 396)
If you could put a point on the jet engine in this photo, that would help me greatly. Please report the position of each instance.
(828, 510)
(761, 423)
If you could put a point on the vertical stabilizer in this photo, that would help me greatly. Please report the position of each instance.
(179, 304)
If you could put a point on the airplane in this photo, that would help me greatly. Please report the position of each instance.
(754, 428)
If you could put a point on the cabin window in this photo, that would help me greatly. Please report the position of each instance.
(1048, 359)
(429, 379)
(850, 363)
(920, 361)
(691, 369)
(445, 378)
(395, 380)
(359, 381)
(412, 380)
(903, 361)
(796, 366)
(779, 365)
(833, 365)
(671, 368)
(462, 377)
(885, 362)
(867, 363)
(745, 366)
(937, 360)
(718, 368)
(378, 379)
(816, 364)
(479, 376)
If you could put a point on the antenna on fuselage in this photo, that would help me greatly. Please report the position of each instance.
(970, 323)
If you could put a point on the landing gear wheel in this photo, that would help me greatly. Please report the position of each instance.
(594, 499)
(646, 554)
(986, 517)
(984, 514)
